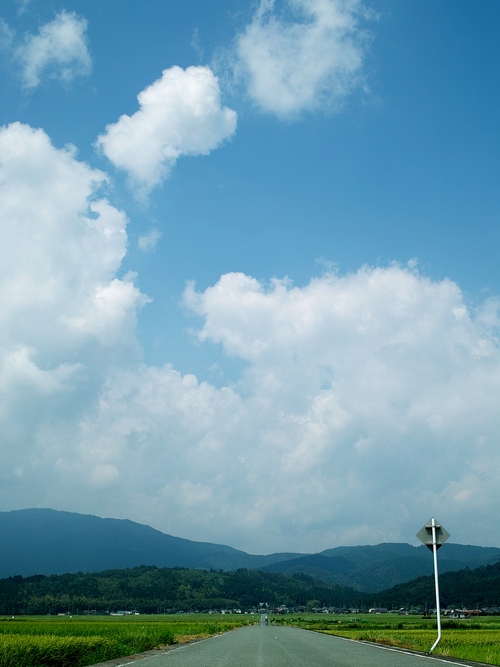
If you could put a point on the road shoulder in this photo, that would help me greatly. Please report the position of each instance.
(127, 660)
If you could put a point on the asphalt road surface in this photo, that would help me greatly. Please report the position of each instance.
(270, 646)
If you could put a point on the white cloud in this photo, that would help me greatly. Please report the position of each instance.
(61, 247)
(6, 36)
(368, 401)
(23, 5)
(147, 242)
(64, 313)
(18, 371)
(59, 50)
(180, 114)
(308, 56)
(376, 385)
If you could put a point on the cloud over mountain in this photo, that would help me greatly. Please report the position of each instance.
(375, 384)
(359, 380)
(348, 407)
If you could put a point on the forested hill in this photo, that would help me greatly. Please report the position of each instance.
(45, 541)
(467, 588)
(149, 589)
(374, 568)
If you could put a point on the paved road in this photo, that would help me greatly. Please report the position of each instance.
(270, 646)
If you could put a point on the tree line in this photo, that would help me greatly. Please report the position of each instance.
(467, 588)
(149, 589)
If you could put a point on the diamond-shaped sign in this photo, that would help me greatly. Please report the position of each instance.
(425, 534)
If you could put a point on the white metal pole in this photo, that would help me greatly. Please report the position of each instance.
(438, 608)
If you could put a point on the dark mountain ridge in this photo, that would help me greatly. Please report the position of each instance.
(45, 541)
(381, 566)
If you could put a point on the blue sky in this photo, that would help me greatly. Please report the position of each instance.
(250, 277)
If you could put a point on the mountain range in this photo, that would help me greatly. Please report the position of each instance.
(46, 541)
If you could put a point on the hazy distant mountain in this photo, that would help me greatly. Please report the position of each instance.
(375, 568)
(44, 541)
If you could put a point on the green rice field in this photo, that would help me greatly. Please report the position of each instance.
(476, 639)
(53, 641)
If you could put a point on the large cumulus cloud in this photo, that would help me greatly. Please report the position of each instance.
(63, 309)
(368, 403)
(379, 385)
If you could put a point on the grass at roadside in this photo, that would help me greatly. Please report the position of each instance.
(79, 641)
(475, 639)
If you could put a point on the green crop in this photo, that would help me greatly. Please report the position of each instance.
(79, 641)
(475, 639)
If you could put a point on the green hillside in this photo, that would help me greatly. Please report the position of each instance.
(467, 588)
(375, 568)
(150, 590)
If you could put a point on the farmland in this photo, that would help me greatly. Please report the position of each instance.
(475, 639)
(76, 641)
